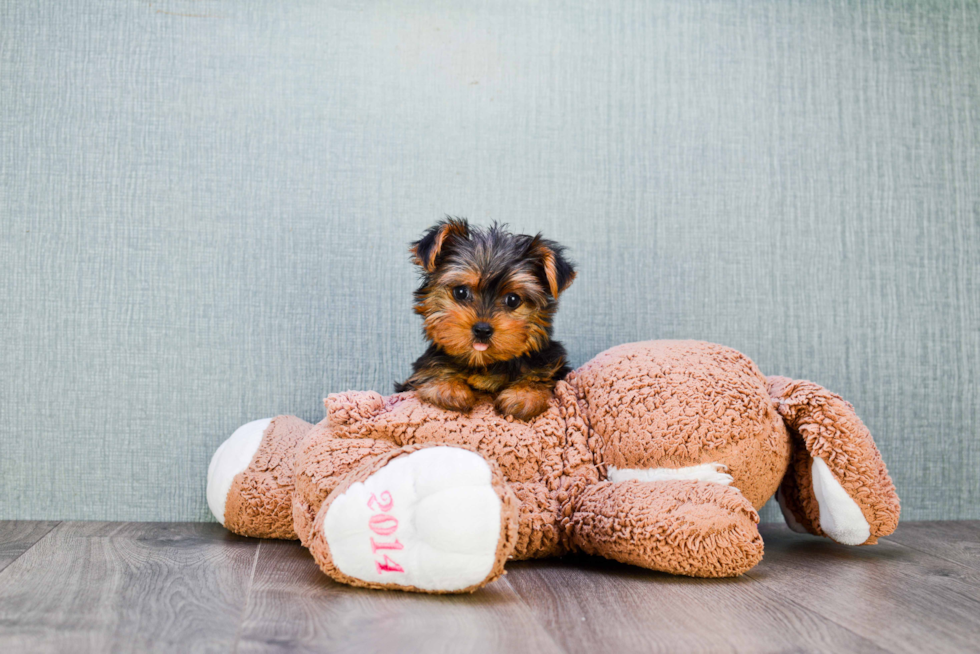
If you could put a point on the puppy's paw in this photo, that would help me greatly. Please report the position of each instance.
(453, 395)
(523, 401)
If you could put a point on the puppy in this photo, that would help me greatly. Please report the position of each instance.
(487, 298)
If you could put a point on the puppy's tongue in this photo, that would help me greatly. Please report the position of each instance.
(480, 347)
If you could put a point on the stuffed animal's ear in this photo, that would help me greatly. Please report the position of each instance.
(427, 250)
(557, 272)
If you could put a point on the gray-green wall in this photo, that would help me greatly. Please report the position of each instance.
(205, 206)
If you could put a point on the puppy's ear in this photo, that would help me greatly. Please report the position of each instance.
(556, 271)
(436, 241)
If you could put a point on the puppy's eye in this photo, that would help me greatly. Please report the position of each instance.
(461, 293)
(512, 300)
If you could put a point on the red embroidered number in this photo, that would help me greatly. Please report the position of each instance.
(385, 497)
(385, 546)
(384, 525)
(388, 566)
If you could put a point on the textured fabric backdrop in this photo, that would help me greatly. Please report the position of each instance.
(205, 210)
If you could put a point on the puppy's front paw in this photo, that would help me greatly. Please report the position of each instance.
(454, 395)
(523, 401)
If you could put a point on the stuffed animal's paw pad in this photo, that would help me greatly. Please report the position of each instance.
(430, 519)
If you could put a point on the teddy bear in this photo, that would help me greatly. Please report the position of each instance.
(657, 454)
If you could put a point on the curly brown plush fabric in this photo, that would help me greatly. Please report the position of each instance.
(260, 501)
(673, 404)
(323, 462)
(541, 458)
(657, 454)
(681, 527)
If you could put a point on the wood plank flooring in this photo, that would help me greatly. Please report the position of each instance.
(16, 537)
(192, 587)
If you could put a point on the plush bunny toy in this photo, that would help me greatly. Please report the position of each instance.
(657, 454)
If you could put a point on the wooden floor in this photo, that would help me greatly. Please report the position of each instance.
(97, 587)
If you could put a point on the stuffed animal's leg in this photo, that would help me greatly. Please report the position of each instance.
(694, 528)
(250, 478)
(434, 519)
(323, 462)
(837, 484)
(540, 532)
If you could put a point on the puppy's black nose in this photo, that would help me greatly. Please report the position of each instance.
(482, 330)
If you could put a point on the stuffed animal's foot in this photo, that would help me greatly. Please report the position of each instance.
(250, 478)
(230, 459)
(694, 528)
(434, 519)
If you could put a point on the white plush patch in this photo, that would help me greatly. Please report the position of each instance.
(429, 519)
(232, 457)
(713, 472)
(840, 516)
(788, 516)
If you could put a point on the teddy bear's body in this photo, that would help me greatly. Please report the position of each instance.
(657, 454)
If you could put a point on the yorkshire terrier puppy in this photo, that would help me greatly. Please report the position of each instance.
(487, 298)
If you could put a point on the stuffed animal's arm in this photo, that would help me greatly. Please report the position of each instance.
(837, 484)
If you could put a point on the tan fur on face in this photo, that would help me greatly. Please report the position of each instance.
(451, 324)
(515, 331)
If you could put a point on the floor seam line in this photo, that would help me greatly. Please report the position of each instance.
(537, 621)
(46, 534)
(807, 609)
(248, 599)
(932, 554)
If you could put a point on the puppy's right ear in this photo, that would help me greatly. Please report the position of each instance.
(435, 242)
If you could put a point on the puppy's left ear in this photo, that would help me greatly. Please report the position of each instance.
(557, 272)
(436, 241)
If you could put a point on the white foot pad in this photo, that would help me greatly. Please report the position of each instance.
(232, 457)
(840, 516)
(429, 519)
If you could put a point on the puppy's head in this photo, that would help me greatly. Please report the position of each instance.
(488, 295)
